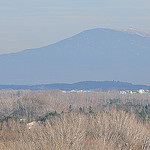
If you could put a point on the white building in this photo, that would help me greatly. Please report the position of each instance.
(141, 91)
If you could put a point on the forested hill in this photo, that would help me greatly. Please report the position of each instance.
(85, 85)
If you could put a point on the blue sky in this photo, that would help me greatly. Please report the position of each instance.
(36, 23)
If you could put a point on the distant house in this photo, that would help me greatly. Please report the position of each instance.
(31, 124)
(141, 91)
(131, 92)
(73, 91)
(123, 92)
(147, 91)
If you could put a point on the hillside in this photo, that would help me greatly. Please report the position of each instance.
(85, 85)
(97, 54)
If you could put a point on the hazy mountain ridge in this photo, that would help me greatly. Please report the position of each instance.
(97, 54)
(85, 85)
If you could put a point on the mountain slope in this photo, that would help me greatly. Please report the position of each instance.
(84, 85)
(97, 54)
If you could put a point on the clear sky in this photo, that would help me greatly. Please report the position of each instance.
(35, 23)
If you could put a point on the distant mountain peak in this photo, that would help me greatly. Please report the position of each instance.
(95, 54)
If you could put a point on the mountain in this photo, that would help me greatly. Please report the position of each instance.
(84, 85)
(96, 54)
(138, 32)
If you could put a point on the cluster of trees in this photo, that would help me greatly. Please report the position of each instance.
(78, 131)
(31, 104)
(72, 121)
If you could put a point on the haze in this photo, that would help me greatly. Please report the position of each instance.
(36, 23)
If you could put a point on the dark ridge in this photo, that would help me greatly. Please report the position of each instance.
(85, 85)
